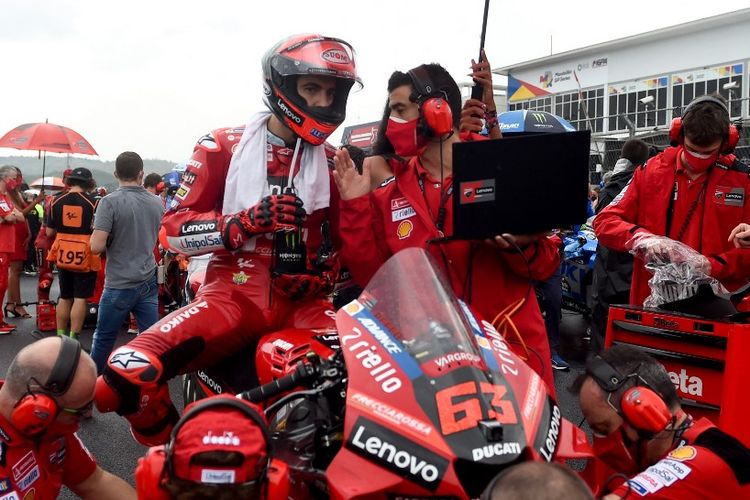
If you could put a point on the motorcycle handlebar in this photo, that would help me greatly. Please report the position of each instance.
(302, 372)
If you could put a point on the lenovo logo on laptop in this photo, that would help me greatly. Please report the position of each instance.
(477, 191)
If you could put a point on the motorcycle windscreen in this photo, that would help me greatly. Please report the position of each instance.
(420, 363)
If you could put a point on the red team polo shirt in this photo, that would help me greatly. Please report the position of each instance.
(36, 469)
(696, 470)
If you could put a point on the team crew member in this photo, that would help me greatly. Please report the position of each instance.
(415, 206)
(9, 217)
(234, 202)
(49, 387)
(641, 431)
(191, 466)
(695, 193)
(42, 244)
(70, 224)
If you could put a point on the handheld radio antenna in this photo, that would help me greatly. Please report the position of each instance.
(478, 90)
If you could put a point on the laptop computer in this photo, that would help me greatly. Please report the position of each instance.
(520, 185)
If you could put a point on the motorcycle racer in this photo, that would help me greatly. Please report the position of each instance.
(258, 197)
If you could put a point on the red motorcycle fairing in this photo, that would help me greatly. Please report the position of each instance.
(276, 355)
(436, 404)
(279, 352)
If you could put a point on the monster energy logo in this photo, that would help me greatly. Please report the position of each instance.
(291, 238)
(539, 117)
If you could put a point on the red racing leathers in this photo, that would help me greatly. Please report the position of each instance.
(398, 215)
(238, 301)
(644, 203)
(709, 465)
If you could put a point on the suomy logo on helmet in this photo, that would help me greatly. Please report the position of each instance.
(289, 113)
(336, 56)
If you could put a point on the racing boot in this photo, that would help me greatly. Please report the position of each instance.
(131, 387)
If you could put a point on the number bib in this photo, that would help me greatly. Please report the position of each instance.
(72, 252)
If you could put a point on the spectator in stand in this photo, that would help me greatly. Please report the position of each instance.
(613, 269)
(17, 258)
(9, 216)
(691, 193)
(151, 183)
(48, 389)
(126, 226)
(69, 223)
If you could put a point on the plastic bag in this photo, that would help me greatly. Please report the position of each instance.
(677, 269)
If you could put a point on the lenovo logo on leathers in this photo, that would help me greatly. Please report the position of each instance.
(393, 452)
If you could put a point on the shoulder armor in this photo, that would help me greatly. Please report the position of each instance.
(214, 140)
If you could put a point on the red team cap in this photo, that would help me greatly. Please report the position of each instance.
(221, 424)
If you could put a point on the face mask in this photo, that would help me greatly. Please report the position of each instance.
(403, 136)
(612, 450)
(11, 184)
(699, 162)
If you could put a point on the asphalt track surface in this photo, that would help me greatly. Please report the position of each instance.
(108, 437)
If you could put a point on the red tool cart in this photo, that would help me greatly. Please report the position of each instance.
(708, 360)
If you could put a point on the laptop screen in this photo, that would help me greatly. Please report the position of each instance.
(520, 185)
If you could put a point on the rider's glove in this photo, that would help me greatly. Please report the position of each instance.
(302, 286)
(131, 385)
(274, 213)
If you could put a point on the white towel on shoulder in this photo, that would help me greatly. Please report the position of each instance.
(246, 183)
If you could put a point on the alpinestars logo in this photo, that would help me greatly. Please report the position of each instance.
(129, 359)
(406, 458)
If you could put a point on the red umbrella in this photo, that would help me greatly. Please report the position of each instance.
(46, 137)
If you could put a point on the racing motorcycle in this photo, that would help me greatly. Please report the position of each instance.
(418, 395)
(579, 255)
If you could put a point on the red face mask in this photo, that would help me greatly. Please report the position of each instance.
(11, 184)
(403, 136)
(612, 450)
(699, 162)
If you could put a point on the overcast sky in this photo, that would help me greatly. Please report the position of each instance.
(153, 76)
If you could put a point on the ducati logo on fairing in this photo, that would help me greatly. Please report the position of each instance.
(495, 450)
(392, 451)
